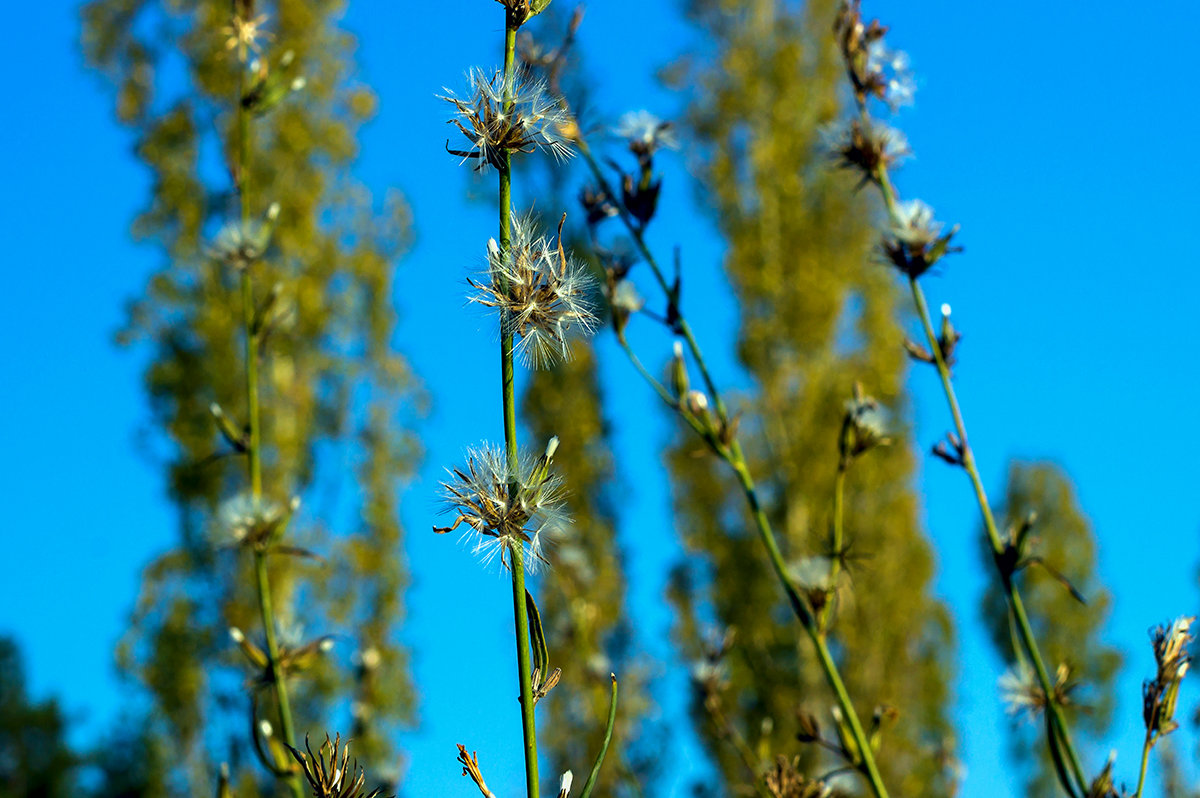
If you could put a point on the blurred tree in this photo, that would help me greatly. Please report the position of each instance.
(35, 759)
(1067, 630)
(816, 315)
(583, 602)
(334, 395)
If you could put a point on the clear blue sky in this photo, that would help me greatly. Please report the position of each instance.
(1053, 136)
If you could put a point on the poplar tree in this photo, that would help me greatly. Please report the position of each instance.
(1068, 629)
(816, 315)
(334, 394)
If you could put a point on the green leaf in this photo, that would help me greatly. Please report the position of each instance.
(612, 719)
(537, 638)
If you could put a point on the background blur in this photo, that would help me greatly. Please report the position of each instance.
(1051, 135)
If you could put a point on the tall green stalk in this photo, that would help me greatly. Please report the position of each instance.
(732, 454)
(524, 674)
(254, 447)
(1056, 728)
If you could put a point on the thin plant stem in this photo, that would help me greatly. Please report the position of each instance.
(517, 555)
(1016, 605)
(1146, 746)
(835, 560)
(254, 446)
(732, 454)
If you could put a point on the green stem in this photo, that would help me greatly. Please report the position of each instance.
(517, 554)
(835, 557)
(732, 454)
(804, 612)
(1146, 746)
(254, 453)
(1016, 605)
(635, 231)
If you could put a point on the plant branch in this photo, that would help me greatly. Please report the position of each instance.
(732, 454)
(528, 722)
(275, 674)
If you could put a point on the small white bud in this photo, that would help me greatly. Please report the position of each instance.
(945, 308)
(493, 250)
(287, 58)
(299, 83)
(264, 727)
(326, 644)
(255, 65)
(236, 635)
(551, 447)
(679, 349)
(564, 784)
(294, 504)
(273, 211)
(216, 410)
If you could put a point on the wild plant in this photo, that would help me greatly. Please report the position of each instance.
(509, 501)
(256, 525)
(913, 243)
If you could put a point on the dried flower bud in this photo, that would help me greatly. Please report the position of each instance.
(330, 772)
(1159, 695)
(863, 427)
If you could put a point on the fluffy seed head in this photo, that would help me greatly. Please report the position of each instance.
(531, 119)
(645, 132)
(540, 292)
(506, 511)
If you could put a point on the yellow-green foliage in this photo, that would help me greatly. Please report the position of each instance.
(334, 393)
(816, 315)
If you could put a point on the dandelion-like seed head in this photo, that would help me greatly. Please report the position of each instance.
(330, 772)
(243, 34)
(540, 292)
(241, 244)
(1022, 692)
(889, 75)
(506, 510)
(645, 133)
(867, 147)
(500, 116)
(915, 241)
(245, 520)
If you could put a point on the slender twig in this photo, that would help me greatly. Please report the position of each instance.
(835, 555)
(1016, 605)
(275, 674)
(1146, 746)
(528, 724)
(732, 454)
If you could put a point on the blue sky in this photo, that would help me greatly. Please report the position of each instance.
(1053, 136)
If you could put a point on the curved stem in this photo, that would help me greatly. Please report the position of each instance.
(517, 554)
(1016, 605)
(733, 455)
(254, 447)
